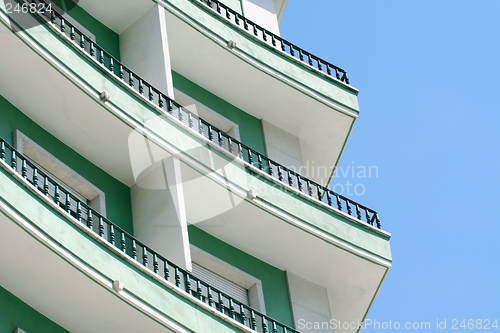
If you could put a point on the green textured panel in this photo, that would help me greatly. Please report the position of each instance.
(15, 313)
(118, 204)
(250, 127)
(274, 283)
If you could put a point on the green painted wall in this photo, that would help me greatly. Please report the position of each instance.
(250, 127)
(15, 313)
(274, 282)
(105, 37)
(118, 202)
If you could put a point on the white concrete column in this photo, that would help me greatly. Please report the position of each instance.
(158, 203)
(262, 12)
(144, 49)
(310, 306)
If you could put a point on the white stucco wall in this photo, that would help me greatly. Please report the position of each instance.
(262, 12)
(283, 147)
(144, 49)
(310, 305)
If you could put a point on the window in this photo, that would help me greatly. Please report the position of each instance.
(207, 114)
(60, 172)
(232, 281)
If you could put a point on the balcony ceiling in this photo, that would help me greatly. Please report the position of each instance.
(60, 291)
(351, 276)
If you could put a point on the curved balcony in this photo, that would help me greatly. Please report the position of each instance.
(253, 159)
(300, 218)
(264, 35)
(127, 245)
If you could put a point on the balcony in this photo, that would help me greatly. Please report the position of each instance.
(121, 245)
(287, 218)
(253, 69)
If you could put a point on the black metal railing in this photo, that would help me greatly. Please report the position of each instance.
(113, 234)
(162, 102)
(273, 40)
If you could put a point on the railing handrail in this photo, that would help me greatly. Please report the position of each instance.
(110, 232)
(285, 46)
(212, 133)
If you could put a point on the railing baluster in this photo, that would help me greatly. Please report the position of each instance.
(290, 180)
(112, 234)
(145, 256)
(170, 107)
(13, 160)
(2, 150)
(240, 151)
(280, 174)
(72, 33)
(155, 263)
(250, 156)
(141, 87)
(46, 185)
(67, 204)
(190, 120)
(339, 204)
(210, 134)
(101, 226)
(131, 79)
(253, 320)
(348, 206)
(259, 158)
(35, 183)
(270, 168)
(275, 328)
(111, 65)
(177, 277)
(134, 250)
(24, 170)
(210, 297)
(264, 325)
(121, 73)
(219, 137)
(230, 144)
(243, 318)
(329, 198)
(79, 211)
(160, 100)
(299, 183)
(150, 94)
(62, 26)
(166, 274)
(220, 301)
(358, 212)
(124, 243)
(90, 223)
(231, 309)
(198, 289)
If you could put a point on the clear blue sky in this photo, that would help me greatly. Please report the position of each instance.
(429, 79)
